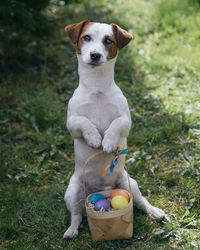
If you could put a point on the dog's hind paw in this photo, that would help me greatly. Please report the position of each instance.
(70, 233)
(156, 213)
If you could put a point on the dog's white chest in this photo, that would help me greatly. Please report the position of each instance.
(99, 109)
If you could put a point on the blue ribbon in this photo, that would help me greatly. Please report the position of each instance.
(117, 153)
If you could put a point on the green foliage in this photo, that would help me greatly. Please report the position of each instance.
(22, 26)
(21, 14)
(22, 18)
(38, 112)
(176, 15)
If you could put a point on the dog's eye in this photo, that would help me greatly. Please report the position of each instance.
(108, 41)
(86, 38)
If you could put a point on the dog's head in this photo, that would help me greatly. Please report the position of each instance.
(97, 43)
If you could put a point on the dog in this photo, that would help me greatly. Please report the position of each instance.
(98, 119)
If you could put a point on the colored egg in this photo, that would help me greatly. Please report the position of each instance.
(120, 192)
(102, 204)
(119, 202)
(95, 197)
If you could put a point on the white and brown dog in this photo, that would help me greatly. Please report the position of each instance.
(98, 118)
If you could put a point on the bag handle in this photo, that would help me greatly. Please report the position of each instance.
(85, 165)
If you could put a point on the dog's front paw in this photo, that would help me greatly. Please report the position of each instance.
(70, 233)
(156, 213)
(92, 137)
(109, 142)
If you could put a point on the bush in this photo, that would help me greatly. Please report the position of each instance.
(173, 15)
(21, 21)
(22, 17)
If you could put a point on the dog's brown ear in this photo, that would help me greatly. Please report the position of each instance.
(122, 36)
(74, 30)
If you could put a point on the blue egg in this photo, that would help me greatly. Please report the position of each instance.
(95, 197)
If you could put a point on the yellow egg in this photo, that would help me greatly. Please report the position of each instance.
(120, 192)
(119, 202)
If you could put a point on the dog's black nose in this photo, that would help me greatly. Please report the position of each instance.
(95, 57)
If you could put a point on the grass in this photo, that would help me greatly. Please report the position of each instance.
(159, 74)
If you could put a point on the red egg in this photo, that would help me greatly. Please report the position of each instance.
(120, 192)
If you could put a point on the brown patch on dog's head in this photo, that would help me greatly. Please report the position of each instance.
(80, 40)
(122, 36)
(74, 30)
(111, 46)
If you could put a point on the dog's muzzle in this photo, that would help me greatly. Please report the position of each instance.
(95, 59)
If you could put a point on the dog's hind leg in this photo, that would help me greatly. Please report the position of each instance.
(74, 199)
(140, 202)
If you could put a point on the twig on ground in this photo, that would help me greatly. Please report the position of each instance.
(64, 155)
(164, 152)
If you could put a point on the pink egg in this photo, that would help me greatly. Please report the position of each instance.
(120, 192)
